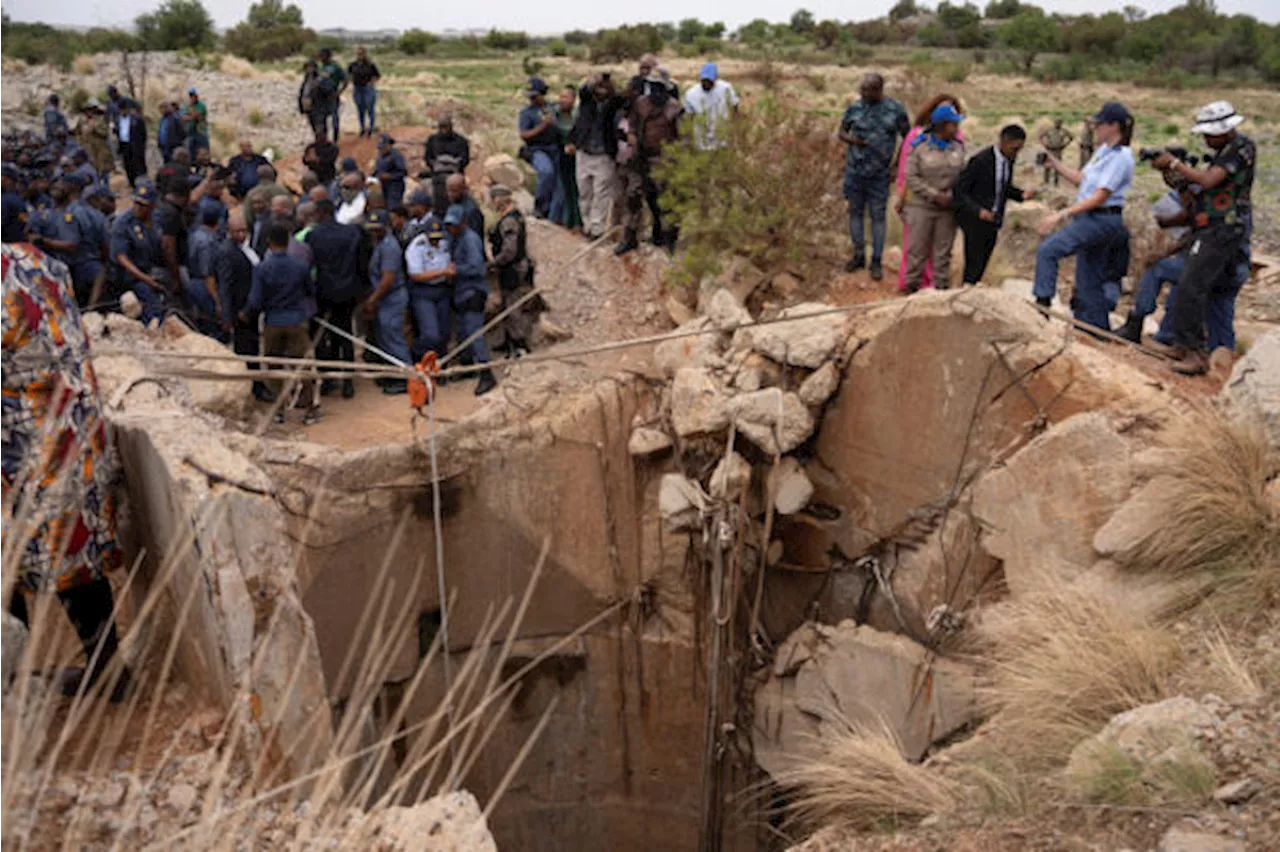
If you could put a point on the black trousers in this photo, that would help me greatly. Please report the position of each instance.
(89, 607)
(332, 347)
(135, 165)
(979, 241)
(1211, 263)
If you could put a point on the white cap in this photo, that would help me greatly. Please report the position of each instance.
(1216, 119)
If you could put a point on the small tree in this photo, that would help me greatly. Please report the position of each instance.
(1000, 10)
(802, 22)
(416, 42)
(904, 9)
(175, 25)
(689, 30)
(271, 30)
(1030, 33)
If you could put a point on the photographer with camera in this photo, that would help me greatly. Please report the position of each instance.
(1096, 219)
(1220, 219)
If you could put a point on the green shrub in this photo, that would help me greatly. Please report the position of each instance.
(557, 47)
(626, 42)
(416, 42)
(766, 196)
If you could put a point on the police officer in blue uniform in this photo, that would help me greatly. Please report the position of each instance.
(135, 252)
(470, 289)
(391, 171)
(390, 298)
(88, 264)
(13, 229)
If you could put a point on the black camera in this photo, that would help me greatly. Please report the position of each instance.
(1041, 158)
(1146, 155)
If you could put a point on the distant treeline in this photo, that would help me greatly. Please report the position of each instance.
(1192, 39)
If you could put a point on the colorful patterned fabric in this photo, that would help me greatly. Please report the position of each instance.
(59, 467)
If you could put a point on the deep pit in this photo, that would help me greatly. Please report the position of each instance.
(909, 420)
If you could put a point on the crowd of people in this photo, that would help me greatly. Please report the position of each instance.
(940, 189)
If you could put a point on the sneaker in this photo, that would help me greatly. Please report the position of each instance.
(628, 243)
(487, 383)
(856, 262)
(877, 271)
(312, 417)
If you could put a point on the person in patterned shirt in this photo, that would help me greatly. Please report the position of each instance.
(870, 127)
(59, 464)
(1221, 220)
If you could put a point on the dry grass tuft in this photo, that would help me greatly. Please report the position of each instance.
(237, 67)
(84, 65)
(1063, 660)
(861, 780)
(1217, 520)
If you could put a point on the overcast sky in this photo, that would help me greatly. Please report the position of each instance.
(540, 17)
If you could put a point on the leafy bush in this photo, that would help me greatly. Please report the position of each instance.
(626, 42)
(506, 40)
(1030, 33)
(577, 37)
(270, 31)
(175, 25)
(416, 42)
(557, 47)
(765, 196)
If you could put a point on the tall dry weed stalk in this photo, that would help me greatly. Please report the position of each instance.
(859, 779)
(1061, 660)
(1211, 511)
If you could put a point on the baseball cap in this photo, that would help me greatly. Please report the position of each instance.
(944, 112)
(385, 139)
(419, 197)
(349, 164)
(453, 216)
(1113, 112)
(709, 72)
(537, 86)
(376, 219)
(192, 91)
(144, 193)
(435, 231)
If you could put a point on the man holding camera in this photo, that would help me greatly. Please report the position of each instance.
(1220, 218)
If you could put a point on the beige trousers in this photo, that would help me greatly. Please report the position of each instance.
(596, 189)
(933, 232)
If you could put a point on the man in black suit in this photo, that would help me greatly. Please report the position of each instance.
(132, 135)
(981, 190)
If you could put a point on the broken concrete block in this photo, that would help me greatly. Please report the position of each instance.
(792, 489)
(730, 478)
(698, 402)
(451, 821)
(855, 674)
(693, 350)
(681, 502)
(773, 420)
(725, 311)
(806, 341)
(818, 387)
(645, 441)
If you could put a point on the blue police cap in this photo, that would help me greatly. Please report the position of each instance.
(376, 219)
(144, 193)
(453, 216)
(537, 86)
(419, 197)
(1113, 112)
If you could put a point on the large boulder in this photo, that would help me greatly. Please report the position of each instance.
(451, 822)
(503, 169)
(1254, 386)
(700, 347)
(1043, 507)
(827, 677)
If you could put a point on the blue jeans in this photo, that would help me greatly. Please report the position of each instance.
(153, 301)
(196, 141)
(432, 313)
(548, 198)
(206, 318)
(391, 324)
(366, 99)
(1089, 238)
(867, 195)
(1167, 270)
(471, 320)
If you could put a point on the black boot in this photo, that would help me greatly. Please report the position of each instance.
(90, 609)
(1044, 303)
(877, 271)
(487, 383)
(1132, 329)
(628, 243)
(328, 386)
(856, 262)
(348, 388)
(262, 393)
(658, 236)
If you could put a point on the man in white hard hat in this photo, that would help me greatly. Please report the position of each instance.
(1221, 224)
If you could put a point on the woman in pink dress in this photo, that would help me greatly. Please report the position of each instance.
(918, 126)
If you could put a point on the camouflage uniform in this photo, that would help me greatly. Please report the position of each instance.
(92, 133)
(1055, 140)
(508, 241)
(1086, 142)
(868, 168)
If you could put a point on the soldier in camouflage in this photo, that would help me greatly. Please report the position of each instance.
(870, 127)
(508, 240)
(1055, 140)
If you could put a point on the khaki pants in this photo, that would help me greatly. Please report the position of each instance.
(291, 341)
(596, 188)
(933, 232)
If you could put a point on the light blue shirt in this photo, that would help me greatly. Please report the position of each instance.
(123, 131)
(1109, 168)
